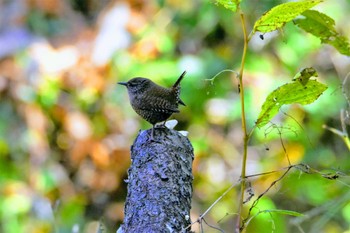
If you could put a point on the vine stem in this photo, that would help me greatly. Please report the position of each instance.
(244, 126)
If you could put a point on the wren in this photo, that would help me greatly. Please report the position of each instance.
(152, 102)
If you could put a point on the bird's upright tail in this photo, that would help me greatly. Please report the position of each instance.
(176, 89)
(177, 83)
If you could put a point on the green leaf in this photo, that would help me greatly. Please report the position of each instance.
(285, 212)
(277, 211)
(301, 92)
(322, 26)
(304, 76)
(231, 5)
(278, 16)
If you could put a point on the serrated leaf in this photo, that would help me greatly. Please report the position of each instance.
(322, 26)
(289, 93)
(278, 16)
(231, 5)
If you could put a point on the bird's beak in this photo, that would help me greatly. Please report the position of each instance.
(123, 83)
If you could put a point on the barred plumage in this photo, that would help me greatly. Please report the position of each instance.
(153, 102)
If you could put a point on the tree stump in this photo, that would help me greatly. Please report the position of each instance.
(159, 183)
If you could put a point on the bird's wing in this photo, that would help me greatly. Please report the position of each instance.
(158, 104)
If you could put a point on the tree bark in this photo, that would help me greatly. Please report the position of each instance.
(159, 184)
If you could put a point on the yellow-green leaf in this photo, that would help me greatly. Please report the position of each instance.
(278, 16)
(231, 5)
(290, 93)
(285, 212)
(304, 75)
(322, 26)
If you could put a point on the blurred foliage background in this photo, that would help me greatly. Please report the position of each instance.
(66, 127)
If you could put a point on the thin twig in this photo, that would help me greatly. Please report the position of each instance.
(227, 70)
(261, 195)
(295, 120)
(211, 226)
(199, 220)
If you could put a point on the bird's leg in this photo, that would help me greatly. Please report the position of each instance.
(160, 125)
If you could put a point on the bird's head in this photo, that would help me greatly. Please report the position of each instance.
(137, 85)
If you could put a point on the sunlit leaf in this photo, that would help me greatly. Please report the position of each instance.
(231, 5)
(290, 93)
(322, 26)
(278, 16)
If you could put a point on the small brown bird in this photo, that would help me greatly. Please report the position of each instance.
(153, 102)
